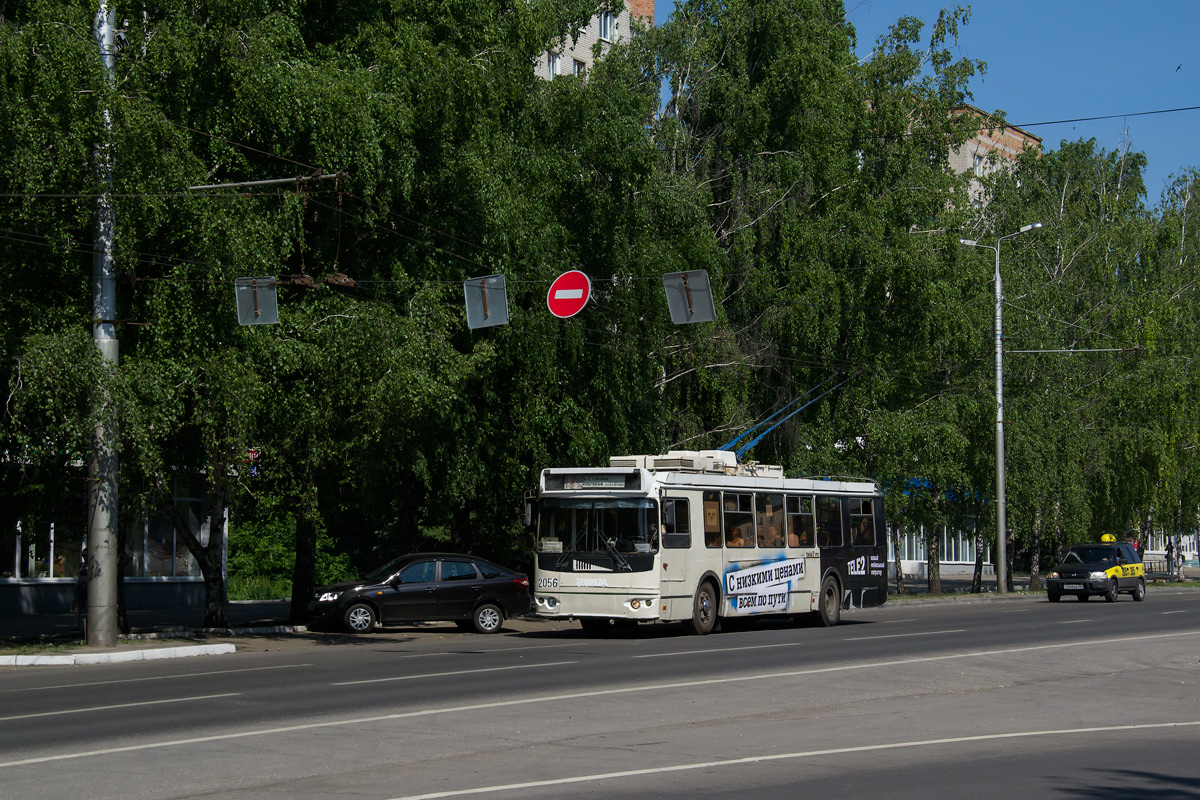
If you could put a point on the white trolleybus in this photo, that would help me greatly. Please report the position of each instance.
(697, 537)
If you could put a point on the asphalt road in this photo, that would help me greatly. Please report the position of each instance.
(1000, 699)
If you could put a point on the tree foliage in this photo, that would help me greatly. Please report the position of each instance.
(422, 150)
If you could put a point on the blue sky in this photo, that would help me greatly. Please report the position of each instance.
(1052, 60)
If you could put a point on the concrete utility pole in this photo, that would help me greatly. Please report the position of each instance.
(102, 469)
(1001, 522)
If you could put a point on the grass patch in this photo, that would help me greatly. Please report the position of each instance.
(40, 648)
(259, 587)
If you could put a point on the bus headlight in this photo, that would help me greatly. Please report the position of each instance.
(635, 604)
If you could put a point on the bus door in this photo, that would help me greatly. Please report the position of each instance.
(802, 544)
(676, 542)
(866, 563)
(831, 539)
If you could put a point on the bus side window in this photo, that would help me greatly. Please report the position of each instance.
(739, 520)
(862, 522)
(676, 525)
(712, 519)
(800, 522)
(829, 521)
(768, 509)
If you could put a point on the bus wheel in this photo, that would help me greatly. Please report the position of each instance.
(704, 610)
(830, 605)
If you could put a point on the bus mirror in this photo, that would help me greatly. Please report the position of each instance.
(530, 498)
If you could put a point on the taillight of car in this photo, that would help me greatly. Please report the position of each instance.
(522, 581)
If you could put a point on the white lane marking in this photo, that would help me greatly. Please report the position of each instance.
(718, 650)
(1019, 611)
(150, 678)
(447, 674)
(568, 294)
(898, 635)
(894, 621)
(1180, 611)
(835, 751)
(568, 645)
(1072, 621)
(119, 705)
(553, 698)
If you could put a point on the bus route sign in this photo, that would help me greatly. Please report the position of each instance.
(568, 294)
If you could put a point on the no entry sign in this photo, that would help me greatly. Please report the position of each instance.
(568, 294)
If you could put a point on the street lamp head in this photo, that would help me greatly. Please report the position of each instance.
(1034, 226)
(968, 242)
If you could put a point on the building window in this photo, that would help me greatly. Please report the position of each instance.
(608, 26)
(551, 64)
(977, 165)
(579, 69)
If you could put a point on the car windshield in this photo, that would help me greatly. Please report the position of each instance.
(599, 525)
(387, 570)
(1090, 555)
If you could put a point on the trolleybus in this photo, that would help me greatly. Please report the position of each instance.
(694, 536)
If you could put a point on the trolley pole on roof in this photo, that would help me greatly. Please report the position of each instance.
(102, 468)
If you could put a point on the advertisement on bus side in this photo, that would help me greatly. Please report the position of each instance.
(763, 588)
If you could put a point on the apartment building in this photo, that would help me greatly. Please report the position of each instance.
(575, 56)
(988, 150)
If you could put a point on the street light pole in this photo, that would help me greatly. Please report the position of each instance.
(1001, 503)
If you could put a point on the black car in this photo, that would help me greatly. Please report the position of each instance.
(1105, 568)
(426, 587)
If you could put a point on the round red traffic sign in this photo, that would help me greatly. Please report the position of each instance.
(569, 294)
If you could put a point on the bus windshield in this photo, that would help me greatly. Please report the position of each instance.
(597, 525)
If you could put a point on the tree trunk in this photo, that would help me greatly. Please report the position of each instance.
(1008, 574)
(899, 567)
(215, 591)
(208, 557)
(461, 539)
(933, 562)
(304, 574)
(1035, 547)
(122, 563)
(977, 576)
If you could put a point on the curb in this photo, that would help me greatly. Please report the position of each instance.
(154, 654)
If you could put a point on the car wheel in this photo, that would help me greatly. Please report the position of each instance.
(829, 607)
(360, 618)
(1053, 597)
(1139, 591)
(1110, 594)
(704, 610)
(488, 618)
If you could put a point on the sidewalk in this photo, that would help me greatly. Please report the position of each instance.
(154, 634)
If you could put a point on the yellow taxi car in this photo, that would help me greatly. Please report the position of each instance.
(1106, 568)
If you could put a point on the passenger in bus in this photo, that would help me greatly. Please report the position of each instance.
(770, 537)
(734, 539)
